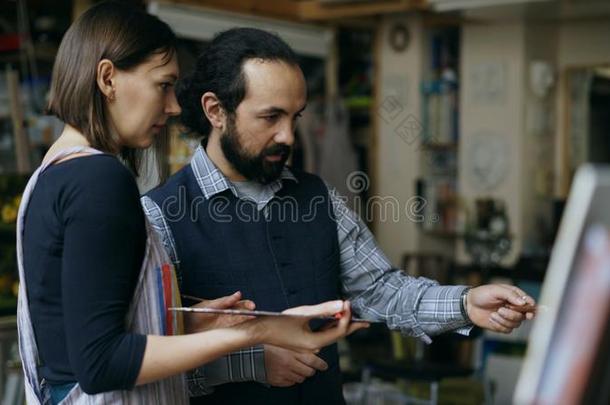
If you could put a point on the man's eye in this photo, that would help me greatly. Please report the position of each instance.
(271, 118)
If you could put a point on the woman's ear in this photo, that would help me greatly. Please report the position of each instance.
(106, 78)
(212, 108)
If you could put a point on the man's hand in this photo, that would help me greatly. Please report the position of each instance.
(285, 368)
(197, 322)
(499, 307)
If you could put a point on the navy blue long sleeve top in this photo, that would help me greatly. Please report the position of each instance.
(84, 242)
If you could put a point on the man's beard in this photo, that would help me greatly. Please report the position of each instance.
(254, 168)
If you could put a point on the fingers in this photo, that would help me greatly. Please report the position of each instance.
(328, 336)
(232, 301)
(314, 340)
(222, 302)
(344, 326)
(514, 297)
(497, 326)
(511, 315)
(287, 367)
(288, 379)
(506, 318)
(520, 306)
(312, 361)
(346, 318)
(302, 370)
(528, 311)
(329, 308)
(295, 378)
(207, 321)
(518, 297)
(354, 326)
(245, 304)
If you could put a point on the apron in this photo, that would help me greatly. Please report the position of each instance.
(155, 291)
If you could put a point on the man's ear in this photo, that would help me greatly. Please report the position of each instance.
(213, 110)
(106, 78)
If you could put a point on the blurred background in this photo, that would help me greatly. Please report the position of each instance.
(454, 127)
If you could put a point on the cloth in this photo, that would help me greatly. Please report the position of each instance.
(70, 226)
(146, 315)
(59, 392)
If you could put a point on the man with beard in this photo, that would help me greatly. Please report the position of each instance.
(237, 218)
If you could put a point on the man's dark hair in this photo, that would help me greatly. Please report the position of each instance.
(219, 69)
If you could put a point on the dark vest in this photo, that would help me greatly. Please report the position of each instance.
(284, 256)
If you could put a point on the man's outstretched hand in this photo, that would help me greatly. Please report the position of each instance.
(499, 307)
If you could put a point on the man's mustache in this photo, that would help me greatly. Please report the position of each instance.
(279, 149)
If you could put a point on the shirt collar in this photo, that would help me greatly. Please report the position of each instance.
(212, 181)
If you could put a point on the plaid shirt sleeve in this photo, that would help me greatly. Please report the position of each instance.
(418, 307)
(159, 224)
(244, 365)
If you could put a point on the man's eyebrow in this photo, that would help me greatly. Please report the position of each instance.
(273, 110)
(278, 110)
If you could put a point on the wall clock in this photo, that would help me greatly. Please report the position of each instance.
(399, 37)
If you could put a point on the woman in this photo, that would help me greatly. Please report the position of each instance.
(95, 281)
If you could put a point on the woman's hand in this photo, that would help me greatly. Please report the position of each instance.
(294, 332)
(185, 352)
(198, 322)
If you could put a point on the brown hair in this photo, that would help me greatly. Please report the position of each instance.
(123, 34)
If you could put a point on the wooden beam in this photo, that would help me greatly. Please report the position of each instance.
(309, 10)
(287, 10)
(314, 10)
(364, 23)
(432, 20)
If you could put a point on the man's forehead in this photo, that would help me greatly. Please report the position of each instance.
(274, 84)
(269, 73)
